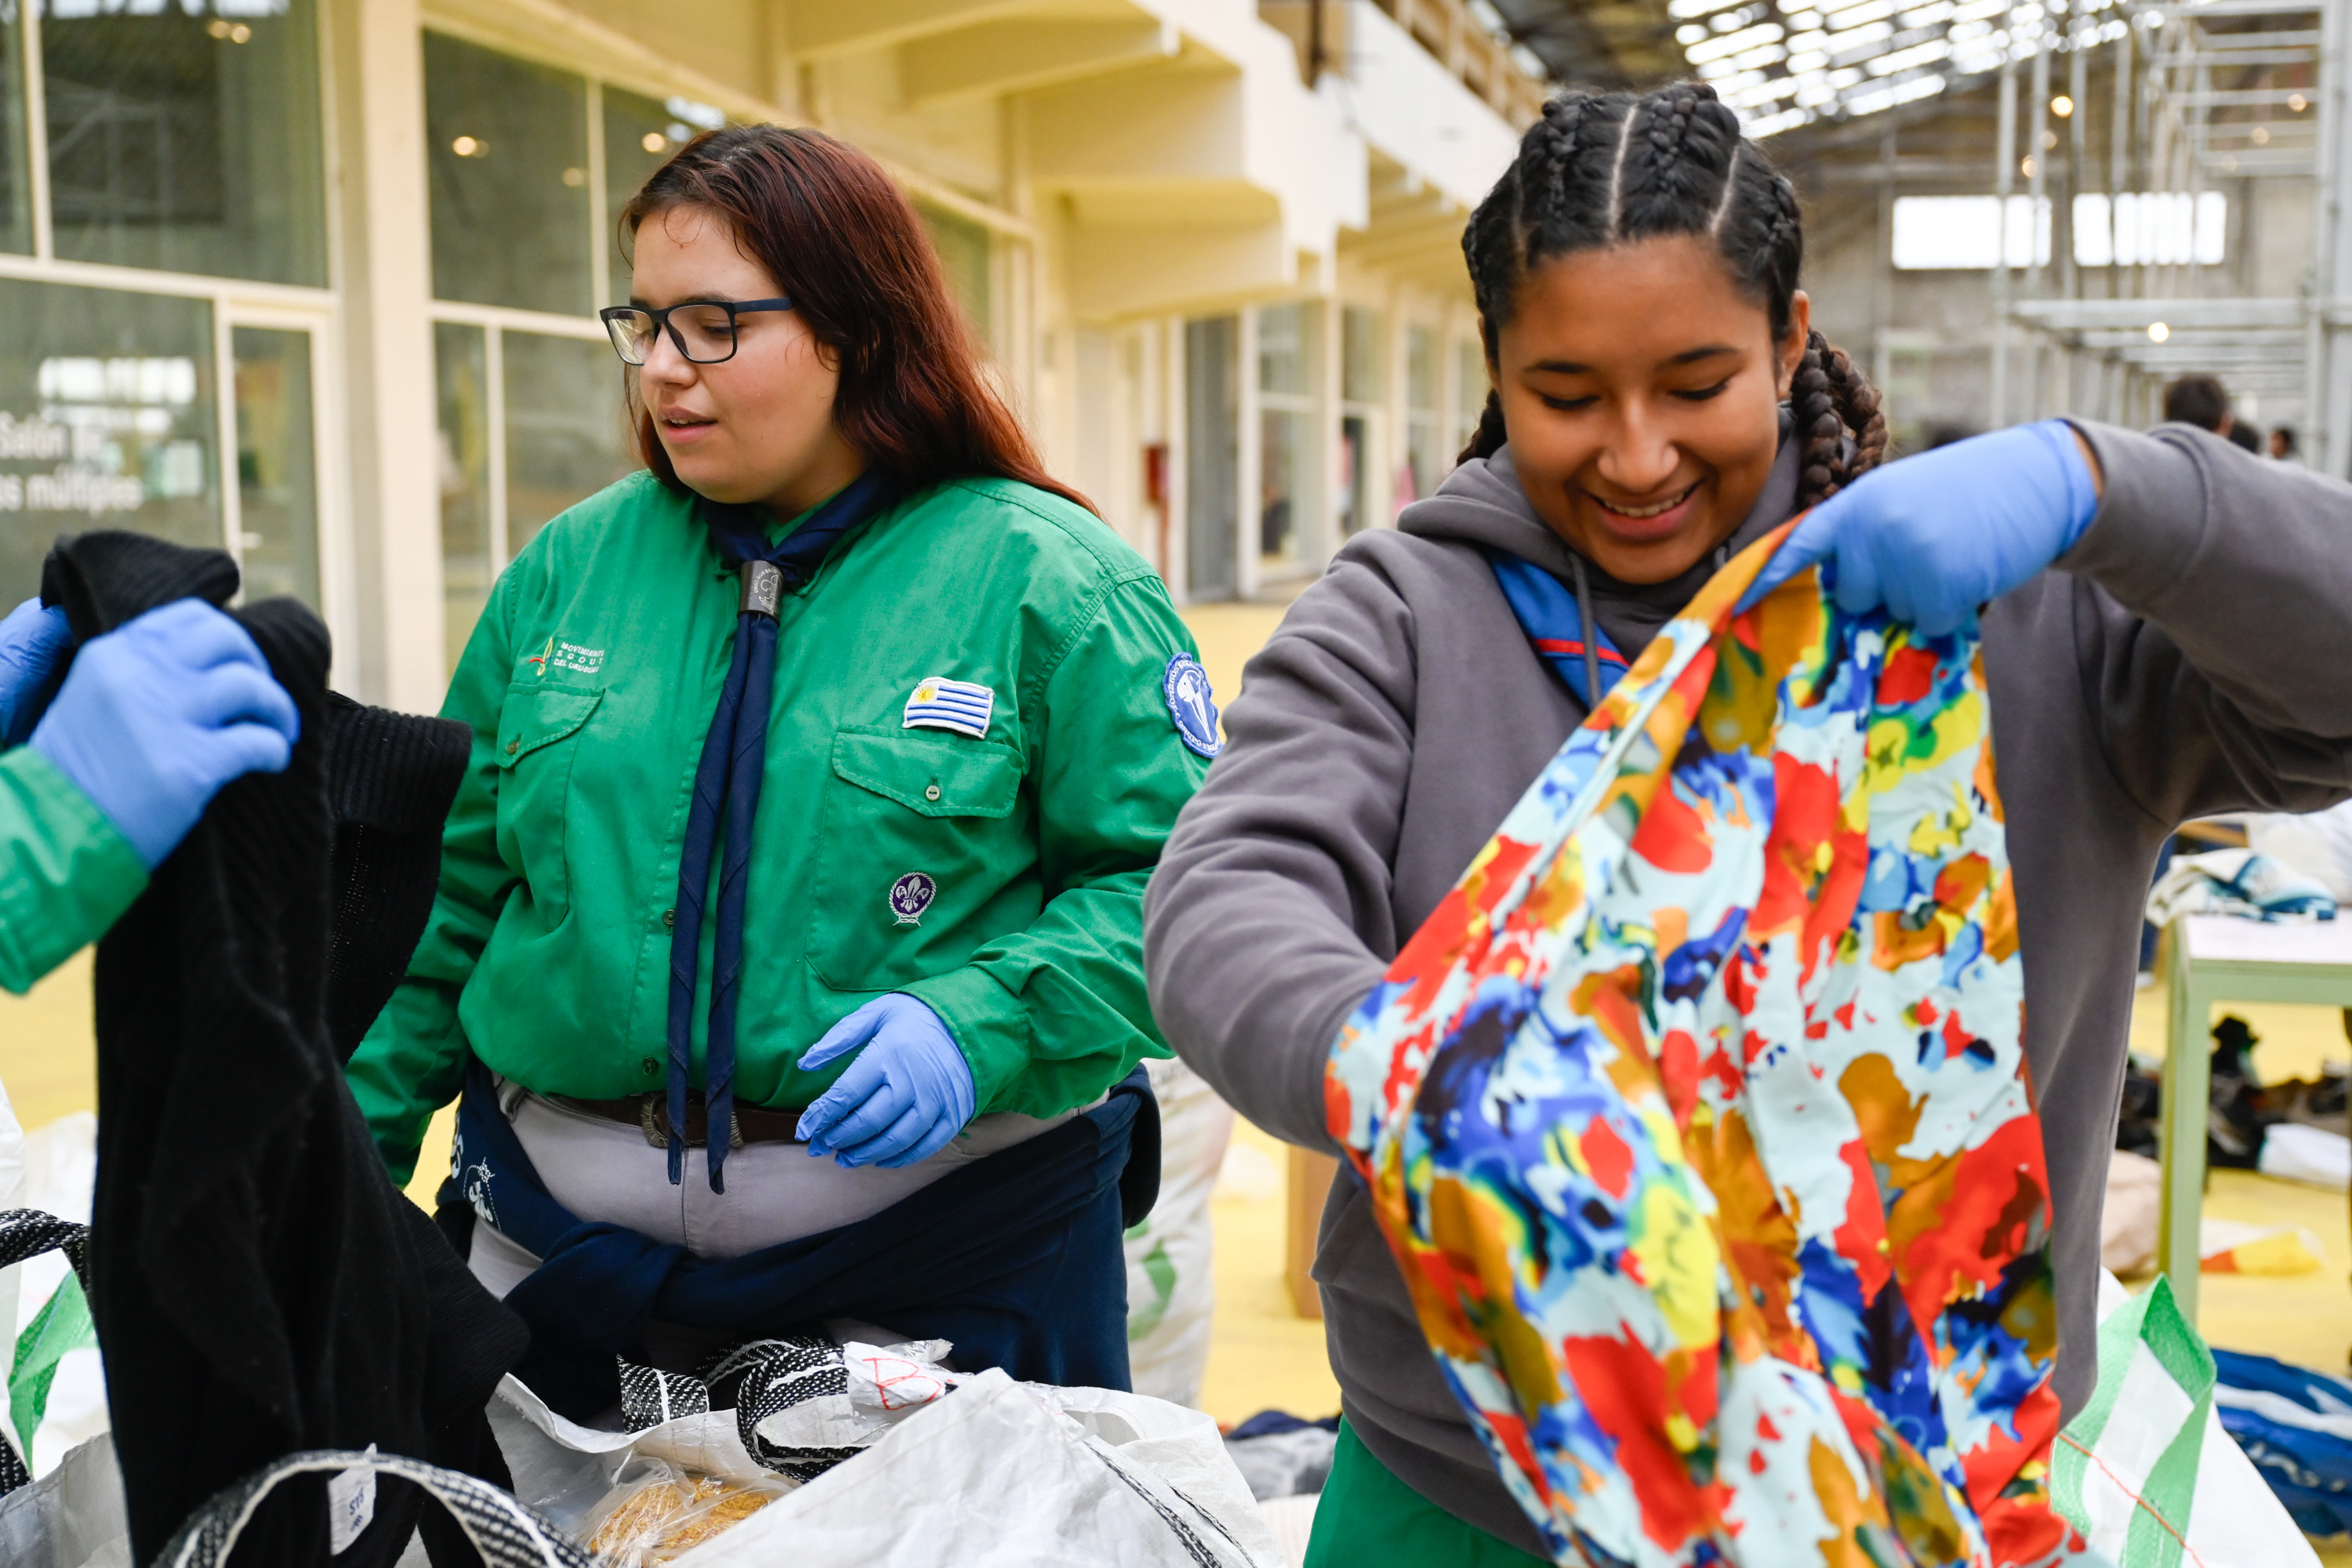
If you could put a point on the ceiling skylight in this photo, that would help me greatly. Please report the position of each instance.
(1782, 63)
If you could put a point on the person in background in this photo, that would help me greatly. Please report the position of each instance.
(1659, 404)
(2243, 435)
(103, 774)
(2282, 443)
(817, 774)
(2202, 401)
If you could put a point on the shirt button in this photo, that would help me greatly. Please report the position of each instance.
(512, 746)
(649, 1066)
(932, 793)
(669, 918)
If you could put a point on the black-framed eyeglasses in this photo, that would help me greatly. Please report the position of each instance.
(703, 330)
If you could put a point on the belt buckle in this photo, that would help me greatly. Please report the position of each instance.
(653, 1115)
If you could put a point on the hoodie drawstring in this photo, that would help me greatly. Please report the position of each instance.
(1591, 629)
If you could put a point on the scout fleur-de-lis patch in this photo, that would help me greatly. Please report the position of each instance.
(910, 894)
(939, 703)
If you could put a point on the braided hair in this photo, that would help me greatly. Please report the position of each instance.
(1603, 169)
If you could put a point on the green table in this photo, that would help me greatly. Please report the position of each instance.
(2211, 959)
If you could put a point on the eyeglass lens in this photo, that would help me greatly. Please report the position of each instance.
(705, 333)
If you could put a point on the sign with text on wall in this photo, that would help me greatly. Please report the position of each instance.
(110, 406)
(101, 438)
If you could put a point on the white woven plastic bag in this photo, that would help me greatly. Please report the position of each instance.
(2146, 1471)
(1001, 1474)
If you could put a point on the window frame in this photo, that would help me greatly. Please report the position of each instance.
(234, 302)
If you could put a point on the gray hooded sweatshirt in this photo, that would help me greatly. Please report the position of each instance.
(2192, 654)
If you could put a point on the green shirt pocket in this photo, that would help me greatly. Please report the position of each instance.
(921, 833)
(538, 738)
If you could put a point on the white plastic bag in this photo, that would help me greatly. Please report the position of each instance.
(1007, 1475)
(73, 1517)
(564, 1469)
(888, 1384)
(1170, 1287)
(50, 1374)
(2146, 1471)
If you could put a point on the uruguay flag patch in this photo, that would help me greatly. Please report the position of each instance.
(940, 703)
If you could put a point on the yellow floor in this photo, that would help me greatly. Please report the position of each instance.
(1262, 1355)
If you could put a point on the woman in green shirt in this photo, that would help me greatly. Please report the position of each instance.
(817, 774)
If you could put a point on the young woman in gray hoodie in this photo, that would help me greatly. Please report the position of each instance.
(2166, 623)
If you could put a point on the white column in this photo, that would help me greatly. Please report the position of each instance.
(384, 261)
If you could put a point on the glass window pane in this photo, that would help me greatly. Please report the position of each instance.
(15, 188)
(185, 142)
(507, 159)
(277, 463)
(1425, 456)
(1420, 369)
(1212, 456)
(1470, 385)
(640, 134)
(1360, 355)
(1284, 350)
(1283, 486)
(964, 250)
(1355, 474)
(461, 372)
(566, 435)
(106, 420)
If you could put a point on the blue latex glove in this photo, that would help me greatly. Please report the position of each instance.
(158, 714)
(32, 643)
(908, 1094)
(1934, 536)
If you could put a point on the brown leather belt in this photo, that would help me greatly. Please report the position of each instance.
(650, 1113)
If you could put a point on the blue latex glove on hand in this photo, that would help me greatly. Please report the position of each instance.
(33, 644)
(908, 1094)
(158, 714)
(1934, 536)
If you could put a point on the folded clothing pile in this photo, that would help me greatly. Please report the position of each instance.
(1281, 1455)
(2236, 882)
(2295, 1424)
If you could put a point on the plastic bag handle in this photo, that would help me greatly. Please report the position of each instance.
(29, 1233)
(507, 1534)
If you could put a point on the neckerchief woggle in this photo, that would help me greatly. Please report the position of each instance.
(1697, 1115)
(728, 778)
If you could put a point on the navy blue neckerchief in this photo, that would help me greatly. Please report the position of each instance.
(1546, 607)
(1015, 1258)
(734, 759)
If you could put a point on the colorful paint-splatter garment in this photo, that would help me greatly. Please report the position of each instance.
(1697, 1114)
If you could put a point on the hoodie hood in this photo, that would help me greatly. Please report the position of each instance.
(1483, 503)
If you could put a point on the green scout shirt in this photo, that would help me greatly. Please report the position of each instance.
(590, 683)
(66, 872)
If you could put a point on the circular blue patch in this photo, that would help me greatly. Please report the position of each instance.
(910, 894)
(1194, 711)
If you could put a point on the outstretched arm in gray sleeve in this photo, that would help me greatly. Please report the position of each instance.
(2212, 625)
(1269, 917)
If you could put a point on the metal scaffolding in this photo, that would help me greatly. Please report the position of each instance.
(2203, 106)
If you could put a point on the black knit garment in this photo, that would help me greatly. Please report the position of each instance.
(390, 778)
(258, 1285)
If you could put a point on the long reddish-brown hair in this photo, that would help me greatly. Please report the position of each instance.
(844, 247)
